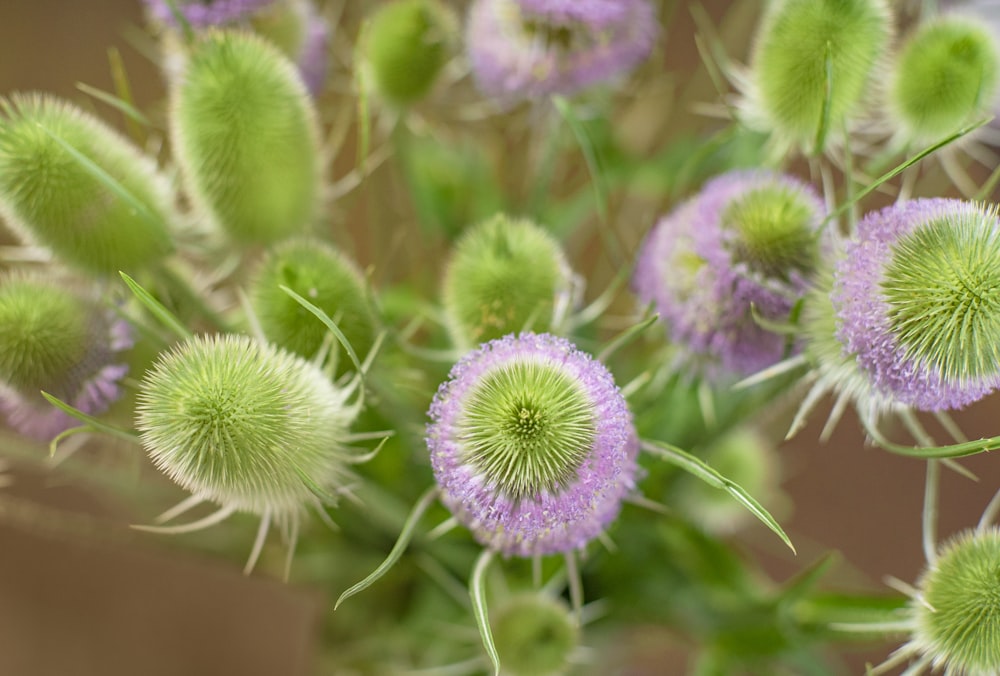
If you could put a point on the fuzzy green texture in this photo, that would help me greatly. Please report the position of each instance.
(325, 278)
(527, 427)
(797, 42)
(244, 424)
(961, 629)
(406, 46)
(946, 77)
(503, 275)
(943, 289)
(246, 137)
(284, 24)
(43, 335)
(534, 635)
(102, 211)
(774, 231)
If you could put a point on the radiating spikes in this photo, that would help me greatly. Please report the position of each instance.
(216, 517)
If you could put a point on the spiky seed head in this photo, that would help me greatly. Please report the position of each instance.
(814, 58)
(504, 276)
(534, 635)
(958, 613)
(946, 76)
(918, 301)
(532, 445)
(60, 341)
(74, 185)
(244, 424)
(245, 135)
(407, 43)
(327, 279)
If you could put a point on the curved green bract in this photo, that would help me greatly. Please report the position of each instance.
(246, 138)
(77, 187)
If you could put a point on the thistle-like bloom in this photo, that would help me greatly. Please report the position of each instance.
(505, 276)
(946, 76)
(406, 45)
(325, 278)
(524, 49)
(532, 445)
(747, 240)
(53, 340)
(246, 137)
(917, 300)
(248, 426)
(956, 617)
(71, 183)
(812, 64)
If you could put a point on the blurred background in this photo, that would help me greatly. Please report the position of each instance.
(82, 594)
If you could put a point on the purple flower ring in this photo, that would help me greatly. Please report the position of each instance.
(523, 49)
(917, 298)
(749, 239)
(532, 445)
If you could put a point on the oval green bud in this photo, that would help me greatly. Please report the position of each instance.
(246, 137)
(406, 45)
(74, 185)
(958, 614)
(946, 77)
(505, 276)
(246, 425)
(812, 63)
(534, 635)
(325, 278)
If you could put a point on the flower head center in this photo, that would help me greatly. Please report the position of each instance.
(527, 428)
(773, 231)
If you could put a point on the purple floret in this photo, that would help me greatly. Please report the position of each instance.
(512, 59)
(202, 15)
(312, 60)
(549, 522)
(864, 313)
(704, 294)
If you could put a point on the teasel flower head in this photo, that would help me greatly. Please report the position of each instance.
(246, 138)
(246, 425)
(946, 76)
(294, 26)
(55, 340)
(72, 184)
(749, 241)
(406, 45)
(504, 276)
(526, 49)
(327, 279)
(532, 445)
(956, 614)
(812, 65)
(917, 299)
(535, 634)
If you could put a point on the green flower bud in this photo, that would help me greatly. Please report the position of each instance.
(534, 635)
(505, 276)
(958, 614)
(945, 78)
(812, 63)
(406, 46)
(325, 278)
(246, 137)
(77, 187)
(246, 425)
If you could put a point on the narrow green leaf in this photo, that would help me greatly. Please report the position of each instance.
(700, 469)
(397, 550)
(124, 107)
(625, 337)
(66, 434)
(90, 421)
(477, 592)
(157, 309)
(589, 154)
(330, 324)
